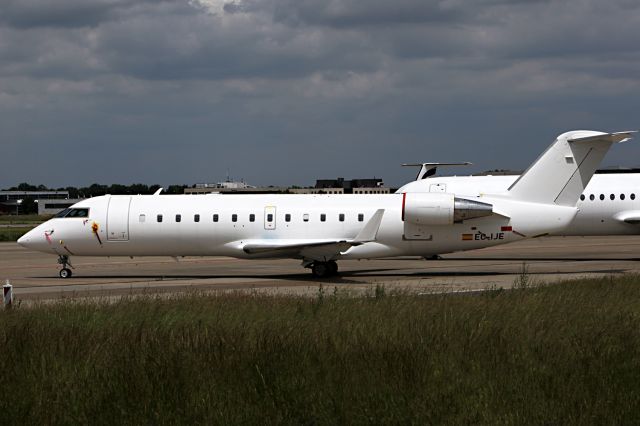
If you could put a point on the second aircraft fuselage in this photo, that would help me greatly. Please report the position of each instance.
(606, 201)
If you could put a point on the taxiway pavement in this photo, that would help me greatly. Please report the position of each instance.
(35, 275)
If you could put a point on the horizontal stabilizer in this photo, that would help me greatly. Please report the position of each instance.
(631, 216)
(429, 169)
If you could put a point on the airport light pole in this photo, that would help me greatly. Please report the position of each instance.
(18, 202)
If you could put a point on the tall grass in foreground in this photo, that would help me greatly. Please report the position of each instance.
(567, 353)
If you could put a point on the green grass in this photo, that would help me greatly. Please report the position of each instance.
(12, 234)
(23, 218)
(561, 354)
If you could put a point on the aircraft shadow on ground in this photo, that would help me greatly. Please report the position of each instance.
(345, 277)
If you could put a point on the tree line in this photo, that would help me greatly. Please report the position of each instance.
(97, 189)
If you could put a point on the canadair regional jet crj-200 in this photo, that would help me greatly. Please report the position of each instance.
(321, 229)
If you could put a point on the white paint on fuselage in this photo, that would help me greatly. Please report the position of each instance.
(74, 236)
(594, 217)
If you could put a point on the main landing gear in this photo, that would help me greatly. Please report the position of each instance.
(64, 261)
(324, 269)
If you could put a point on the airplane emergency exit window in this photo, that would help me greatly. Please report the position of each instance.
(234, 218)
(215, 217)
(323, 217)
(341, 217)
(178, 218)
(159, 218)
(270, 217)
(360, 217)
(252, 217)
(196, 218)
(287, 217)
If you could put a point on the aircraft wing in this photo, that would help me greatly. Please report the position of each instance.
(315, 249)
(629, 216)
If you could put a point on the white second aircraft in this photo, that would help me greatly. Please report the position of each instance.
(320, 229)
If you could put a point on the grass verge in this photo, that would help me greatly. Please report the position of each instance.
(12, 234)
(561, 354)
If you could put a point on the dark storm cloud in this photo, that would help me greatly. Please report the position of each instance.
(285, 91)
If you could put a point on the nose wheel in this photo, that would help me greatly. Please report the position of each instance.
(65, 272)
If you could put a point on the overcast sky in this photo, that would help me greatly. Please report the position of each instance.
(287, 91)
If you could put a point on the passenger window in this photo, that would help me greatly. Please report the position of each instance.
(142, 218)
(622, 196)
(287, 217)
(582, 197)
(360, 217)
(178, 218)
(252, 217)
(601, 197)
(632, 196)
(215, 217)
(612, 196)
(592, 197)
(159, 218)
(323, 217)
(341, 217)
(196, 218)
(305, 217)
(234, 218)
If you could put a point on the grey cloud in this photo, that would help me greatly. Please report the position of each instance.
(284, 91)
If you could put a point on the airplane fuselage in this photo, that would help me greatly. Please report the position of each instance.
(223, 225)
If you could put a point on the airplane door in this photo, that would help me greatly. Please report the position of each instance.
(118, 219)
(438, 187)
(270, 217)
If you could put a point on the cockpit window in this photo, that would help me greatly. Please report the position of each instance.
(73, 213)
(63, 213)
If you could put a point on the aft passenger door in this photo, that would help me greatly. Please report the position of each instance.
(270, 217)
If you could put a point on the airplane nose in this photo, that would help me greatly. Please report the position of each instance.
(24, 240)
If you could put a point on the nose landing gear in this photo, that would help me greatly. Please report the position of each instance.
(64, 261)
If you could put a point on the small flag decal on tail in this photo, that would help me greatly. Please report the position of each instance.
(467, 237)
(506, 229)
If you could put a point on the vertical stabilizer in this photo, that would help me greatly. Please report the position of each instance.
(562, 172)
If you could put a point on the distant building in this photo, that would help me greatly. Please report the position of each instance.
(11, 201)
(54, 206)
(354, 186)
(323, 186)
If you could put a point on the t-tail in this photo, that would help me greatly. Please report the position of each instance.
(563, 171)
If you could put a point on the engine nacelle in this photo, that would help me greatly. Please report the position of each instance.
(428, 208)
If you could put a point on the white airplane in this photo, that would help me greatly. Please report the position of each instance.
(609, 205)
(321, 229)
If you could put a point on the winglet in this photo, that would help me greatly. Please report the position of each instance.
(370, 231)
(158, 191)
